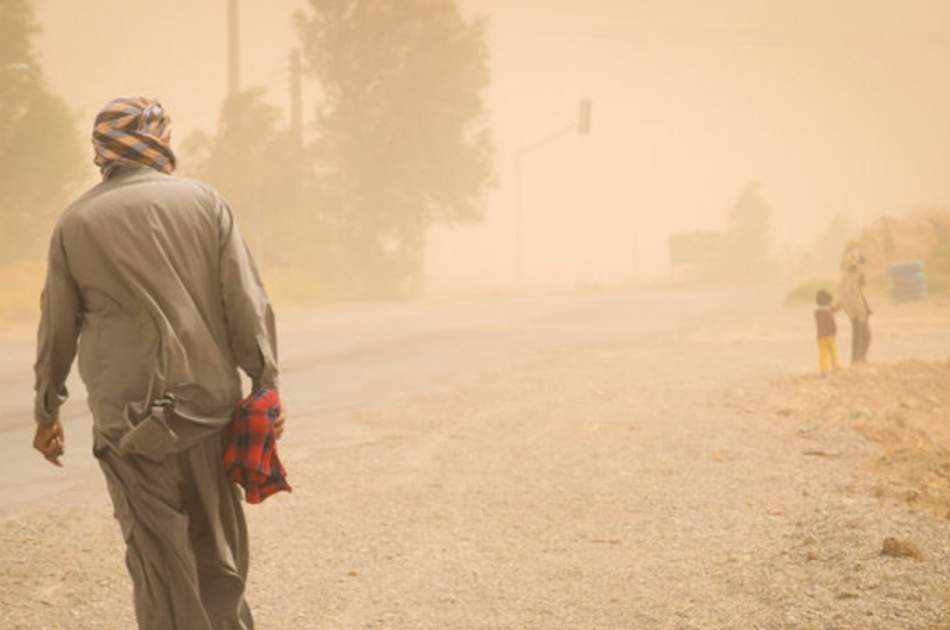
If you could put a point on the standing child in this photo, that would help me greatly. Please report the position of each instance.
(827, 329)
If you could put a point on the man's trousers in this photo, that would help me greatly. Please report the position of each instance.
(186, 537)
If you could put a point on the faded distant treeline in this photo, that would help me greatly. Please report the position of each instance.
(42, 155)
(338, 209)
(739, 254)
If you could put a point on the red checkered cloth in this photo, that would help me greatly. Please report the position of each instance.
(251, 458)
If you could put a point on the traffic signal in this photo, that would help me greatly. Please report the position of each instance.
(583, 119)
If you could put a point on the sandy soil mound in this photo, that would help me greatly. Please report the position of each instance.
(914, 236)
(903, 408)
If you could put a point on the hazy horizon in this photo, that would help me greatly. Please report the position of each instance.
(833, 109)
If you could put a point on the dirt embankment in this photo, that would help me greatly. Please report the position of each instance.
(902, 408)
(914, 236)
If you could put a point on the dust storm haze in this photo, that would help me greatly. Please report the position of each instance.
(836, 108)
(548, 278)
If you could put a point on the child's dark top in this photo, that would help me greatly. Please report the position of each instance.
(825, 320)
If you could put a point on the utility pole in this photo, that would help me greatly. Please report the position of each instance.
(234, 75)
(297, 212)
(296, 98)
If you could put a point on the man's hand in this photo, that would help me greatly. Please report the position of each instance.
(279, 424)
(50, 441)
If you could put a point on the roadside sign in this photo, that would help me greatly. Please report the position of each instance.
(695, 248)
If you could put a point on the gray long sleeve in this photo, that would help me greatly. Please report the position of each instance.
(251, 327)
(60, 322)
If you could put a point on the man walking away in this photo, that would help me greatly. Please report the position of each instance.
(149, 277)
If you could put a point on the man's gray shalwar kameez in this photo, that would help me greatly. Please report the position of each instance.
(149, 273)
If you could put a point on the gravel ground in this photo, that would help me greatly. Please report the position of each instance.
(644, 483)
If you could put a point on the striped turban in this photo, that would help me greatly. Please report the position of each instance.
(136, 131)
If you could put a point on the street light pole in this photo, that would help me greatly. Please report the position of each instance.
(520, 156)
(581, 127)
(234, 75)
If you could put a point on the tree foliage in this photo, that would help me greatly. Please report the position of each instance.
(259, 168)
(825, 255)
(248, 161)
(402, 138)
(41, 159)
(244, 159)
(747, 238)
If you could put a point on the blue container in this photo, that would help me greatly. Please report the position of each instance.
(908, 281)
(914, 267)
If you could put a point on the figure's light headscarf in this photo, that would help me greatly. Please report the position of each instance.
(133, 131)
(853, 257)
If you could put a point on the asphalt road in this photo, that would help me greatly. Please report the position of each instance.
(339, 358)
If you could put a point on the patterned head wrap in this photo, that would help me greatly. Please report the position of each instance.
(136, 131)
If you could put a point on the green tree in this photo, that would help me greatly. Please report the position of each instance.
(403, 141)
(42, 163)
(747, 242)
(831, 243)
(242, 158)
(246, 160)
(256, 164)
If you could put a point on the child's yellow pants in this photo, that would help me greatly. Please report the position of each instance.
(827, 354)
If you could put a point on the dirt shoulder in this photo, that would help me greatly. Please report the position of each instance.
(903, 409)
(658, 482)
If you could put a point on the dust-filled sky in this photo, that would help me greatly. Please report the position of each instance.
(835, 106)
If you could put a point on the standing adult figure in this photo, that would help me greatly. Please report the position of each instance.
(149, 279)
(852, 300)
